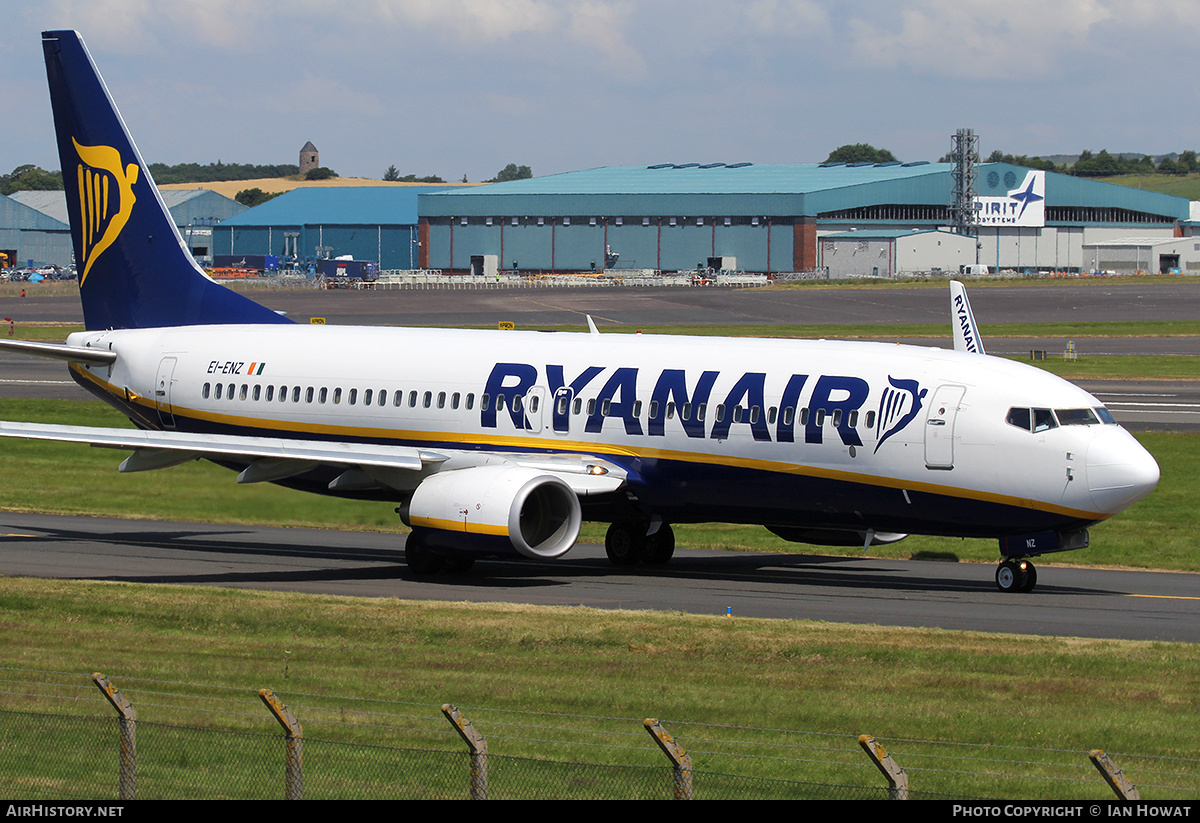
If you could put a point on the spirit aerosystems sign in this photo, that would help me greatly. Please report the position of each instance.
(1024, 206)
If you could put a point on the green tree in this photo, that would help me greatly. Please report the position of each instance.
(392, 174)
(512, 172)
(255, 196)
(860, 153)
(30, 178)
(320, 173)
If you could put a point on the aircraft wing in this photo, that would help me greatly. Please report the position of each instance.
(272, 458)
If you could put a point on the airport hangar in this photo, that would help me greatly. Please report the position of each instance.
(861, 218)
(367, 222)
(35, 223)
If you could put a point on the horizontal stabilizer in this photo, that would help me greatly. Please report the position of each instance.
(59, 351)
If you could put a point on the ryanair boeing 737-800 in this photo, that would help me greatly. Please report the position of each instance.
(502, 442)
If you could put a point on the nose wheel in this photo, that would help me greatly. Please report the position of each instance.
(1016, 576)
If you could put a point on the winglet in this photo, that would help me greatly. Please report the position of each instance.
(966, 330)
(592, 325)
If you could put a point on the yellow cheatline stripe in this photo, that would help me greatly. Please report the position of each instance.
(273, 427)
(459, 526)
(1164, 596)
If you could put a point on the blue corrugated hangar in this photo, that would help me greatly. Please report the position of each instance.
(195, 212)
(368, 222)
(776, 218)
(27, 234)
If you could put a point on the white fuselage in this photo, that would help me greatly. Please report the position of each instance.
(793, 432)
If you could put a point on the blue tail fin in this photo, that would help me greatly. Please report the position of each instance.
(134, 270)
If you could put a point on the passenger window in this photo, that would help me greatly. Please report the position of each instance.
(670, 410)
(870, 420)
(270, 393)
(337, 395)
(836, 419)
(412, 399)
(308, 395)
(637, 408)
(353, 398)
(685, 411)
(578, 405)
(367, 395)
(204, 392)
(296, 394)
(441, 400)
(257, 391)
(771, 412)
(454, 400)
(323, 395)
(243, 394)
(470, 401)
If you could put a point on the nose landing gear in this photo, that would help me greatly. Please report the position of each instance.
(1016, 576)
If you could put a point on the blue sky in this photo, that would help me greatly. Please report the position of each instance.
(454, 87)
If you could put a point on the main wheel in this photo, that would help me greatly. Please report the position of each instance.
(420, 559)
(625, 543)
(459, 565)
(660, 546)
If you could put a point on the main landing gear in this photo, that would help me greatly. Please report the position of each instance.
(1016, 576)
(423, 561)
(628, 544)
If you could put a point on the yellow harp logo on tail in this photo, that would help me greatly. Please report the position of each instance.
(105, 199)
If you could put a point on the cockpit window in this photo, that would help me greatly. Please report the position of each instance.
(1105, 415)
(1076, 417)
(1043, 419)
(1019, 418)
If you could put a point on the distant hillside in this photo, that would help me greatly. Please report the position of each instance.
(230, 188)
(218, 171)
(1180, 185)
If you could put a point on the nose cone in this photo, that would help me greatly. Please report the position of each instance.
(1119, 471)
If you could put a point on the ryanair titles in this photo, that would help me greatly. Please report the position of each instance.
(612, 394)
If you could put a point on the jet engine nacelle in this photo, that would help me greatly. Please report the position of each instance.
(497, 509)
